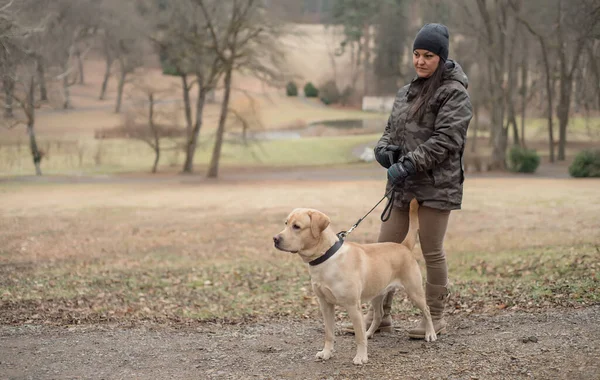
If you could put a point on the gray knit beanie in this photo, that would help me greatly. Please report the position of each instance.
(435, 38)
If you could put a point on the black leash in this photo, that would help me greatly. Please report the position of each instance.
(385, 215)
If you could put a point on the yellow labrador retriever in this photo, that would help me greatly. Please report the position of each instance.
(347, 274)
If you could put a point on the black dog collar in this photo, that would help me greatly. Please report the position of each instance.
(330, 252)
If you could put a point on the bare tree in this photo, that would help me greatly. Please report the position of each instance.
(577, 22)
(511, 85)
(496, 20)
(109, 52)
(148, 122)
(390, 44)
(9, 31)
(69, 28)
(244, 38)
(357, 17)
(524, 85)
(573, 26)
(187, 52)
(129, 58)
(18, 44)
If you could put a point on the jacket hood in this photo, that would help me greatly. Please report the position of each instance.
(453, 71)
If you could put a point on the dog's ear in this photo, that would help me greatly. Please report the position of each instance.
(318, 222)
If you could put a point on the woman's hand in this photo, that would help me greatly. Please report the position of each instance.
(398, 172)
(387, 155)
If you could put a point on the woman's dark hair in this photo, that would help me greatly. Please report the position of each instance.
(427, 91)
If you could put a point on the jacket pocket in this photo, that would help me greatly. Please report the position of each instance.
(439, 174)
(449, 174)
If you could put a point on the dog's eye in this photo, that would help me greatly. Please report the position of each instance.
(296, 227)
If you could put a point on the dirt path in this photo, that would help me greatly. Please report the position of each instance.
(555, 344)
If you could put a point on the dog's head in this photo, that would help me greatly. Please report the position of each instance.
(303, 228)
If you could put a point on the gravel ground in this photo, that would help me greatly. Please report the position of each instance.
(554, 344)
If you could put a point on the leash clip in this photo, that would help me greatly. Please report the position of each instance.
(343, 234)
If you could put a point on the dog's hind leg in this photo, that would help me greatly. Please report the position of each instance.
(377, 304)
(358, 323)
(414, 289)
(328, 311)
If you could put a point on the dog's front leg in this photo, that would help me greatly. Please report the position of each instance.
(327, 309)
(356, 317)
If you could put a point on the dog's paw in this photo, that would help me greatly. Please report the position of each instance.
(430, 337)
(323, 355)
(360, 359)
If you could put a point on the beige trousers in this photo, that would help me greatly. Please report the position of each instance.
(432, 229)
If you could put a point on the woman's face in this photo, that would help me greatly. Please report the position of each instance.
(425, 62)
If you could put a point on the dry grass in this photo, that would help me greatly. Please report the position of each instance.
(183, 251)
(180, 252)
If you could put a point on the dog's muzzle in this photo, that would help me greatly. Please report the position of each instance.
(277, 241)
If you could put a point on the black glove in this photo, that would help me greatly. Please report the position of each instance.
(398, 172)
(387, 155)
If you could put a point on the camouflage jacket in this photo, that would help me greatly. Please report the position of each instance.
(436, 145)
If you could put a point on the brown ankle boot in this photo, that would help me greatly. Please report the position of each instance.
(386, 320)
(436, 300)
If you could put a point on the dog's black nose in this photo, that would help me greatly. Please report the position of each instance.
(276, 240)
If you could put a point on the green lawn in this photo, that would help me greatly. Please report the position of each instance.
(118, 155)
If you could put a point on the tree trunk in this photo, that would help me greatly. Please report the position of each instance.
(499, 133)
(120, 87)
(79, 66)
(549, 84)
(496, 39)
(187, 105)
(42, 80)
(512, 85)
(524, 87)
(548, 96)
(566, 81)
(562, 112)
(109, 62)
(188, 166)
(213, 170)
(66, 92)
(595, 66)
(356, 63)
(155, 134)
(9, 88)
(30, 111)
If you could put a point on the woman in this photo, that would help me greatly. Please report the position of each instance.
(422, 148)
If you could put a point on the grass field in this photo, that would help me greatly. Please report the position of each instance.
(185, 252)
(189, 262)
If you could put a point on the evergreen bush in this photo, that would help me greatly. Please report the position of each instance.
(586, 164)
(523, 160)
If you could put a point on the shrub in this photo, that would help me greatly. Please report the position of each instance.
(586, 164)
(523, 160)
(329, 93)
(310, 91)
(291, 89)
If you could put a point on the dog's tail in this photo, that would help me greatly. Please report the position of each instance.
(413, 230)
